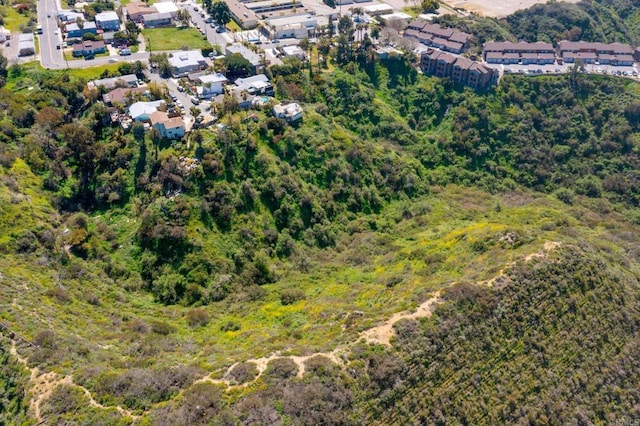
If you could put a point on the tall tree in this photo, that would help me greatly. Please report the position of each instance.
(82, 152)
(220, 13)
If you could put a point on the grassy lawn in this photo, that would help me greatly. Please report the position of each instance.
(12, 19)
(233, 26)
(93, 72)
(174, 38)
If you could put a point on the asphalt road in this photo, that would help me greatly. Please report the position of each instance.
(50, 57)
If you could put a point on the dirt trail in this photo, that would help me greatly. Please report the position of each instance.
(382, 334)
(542, 254)
(42, 385)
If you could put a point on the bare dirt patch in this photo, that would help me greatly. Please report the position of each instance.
(382, 334)
(493, 8)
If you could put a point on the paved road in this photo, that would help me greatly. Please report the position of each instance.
(50, 57)
(213, 37)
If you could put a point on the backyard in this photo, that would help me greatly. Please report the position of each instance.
(174, 39)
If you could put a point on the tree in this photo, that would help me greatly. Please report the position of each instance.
(220, 12)
(3, 70)
(237, 66)
(183, 17)
(138, 132)
(429, 6)
(82, 152)
(156, 138)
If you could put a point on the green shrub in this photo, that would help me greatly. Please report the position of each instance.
(291, 296)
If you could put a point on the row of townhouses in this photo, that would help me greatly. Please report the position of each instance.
(458, 68)
(567, 52)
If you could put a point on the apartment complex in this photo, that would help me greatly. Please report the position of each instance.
(459, 69)
(433, 35)
(506, 52)
(590, 53)
(568, 52)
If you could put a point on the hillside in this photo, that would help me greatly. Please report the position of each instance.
(411, 252)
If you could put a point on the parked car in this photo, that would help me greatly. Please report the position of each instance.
(125, 52)
(195, 100)
(89, 57)
(174, 98)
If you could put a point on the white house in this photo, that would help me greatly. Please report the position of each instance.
(170, 128)
(289, 112)
(257, 84)
(186, 62)
(297, 26)
(294, 51)
(141, 111)
(166, 7)
(26, 45)
(211, 85)
(108, 21)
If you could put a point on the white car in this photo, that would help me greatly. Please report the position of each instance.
(112, 60)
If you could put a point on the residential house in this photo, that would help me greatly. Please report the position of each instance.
(298, 26)
(123, 95)
(169, 127)
(211, 85)
(387, 52)
(108, 21)
(74, 31)
(88, 47)
(256, 85)
(157, 20)
(135, 11)
(378, 9)
(141, 111)
(294, 52)
(290, 112)
(67, 16)
(26, 44)
(185, 62)
(130, 80)
(254, 58)
(108, 37)
(166, 7)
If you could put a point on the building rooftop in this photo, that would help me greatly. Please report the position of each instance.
(186, 58)
(108, 15)
(142, 108)
(248, 54)
(166, 7)
(212, 78)
(130, 79)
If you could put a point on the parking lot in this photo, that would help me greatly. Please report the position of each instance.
(535, 69)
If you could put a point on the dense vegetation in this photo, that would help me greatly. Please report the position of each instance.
(139, 266)
(606, 21)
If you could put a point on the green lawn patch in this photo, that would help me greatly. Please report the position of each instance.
(174, 39)
(93, 72)
(12, 19)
